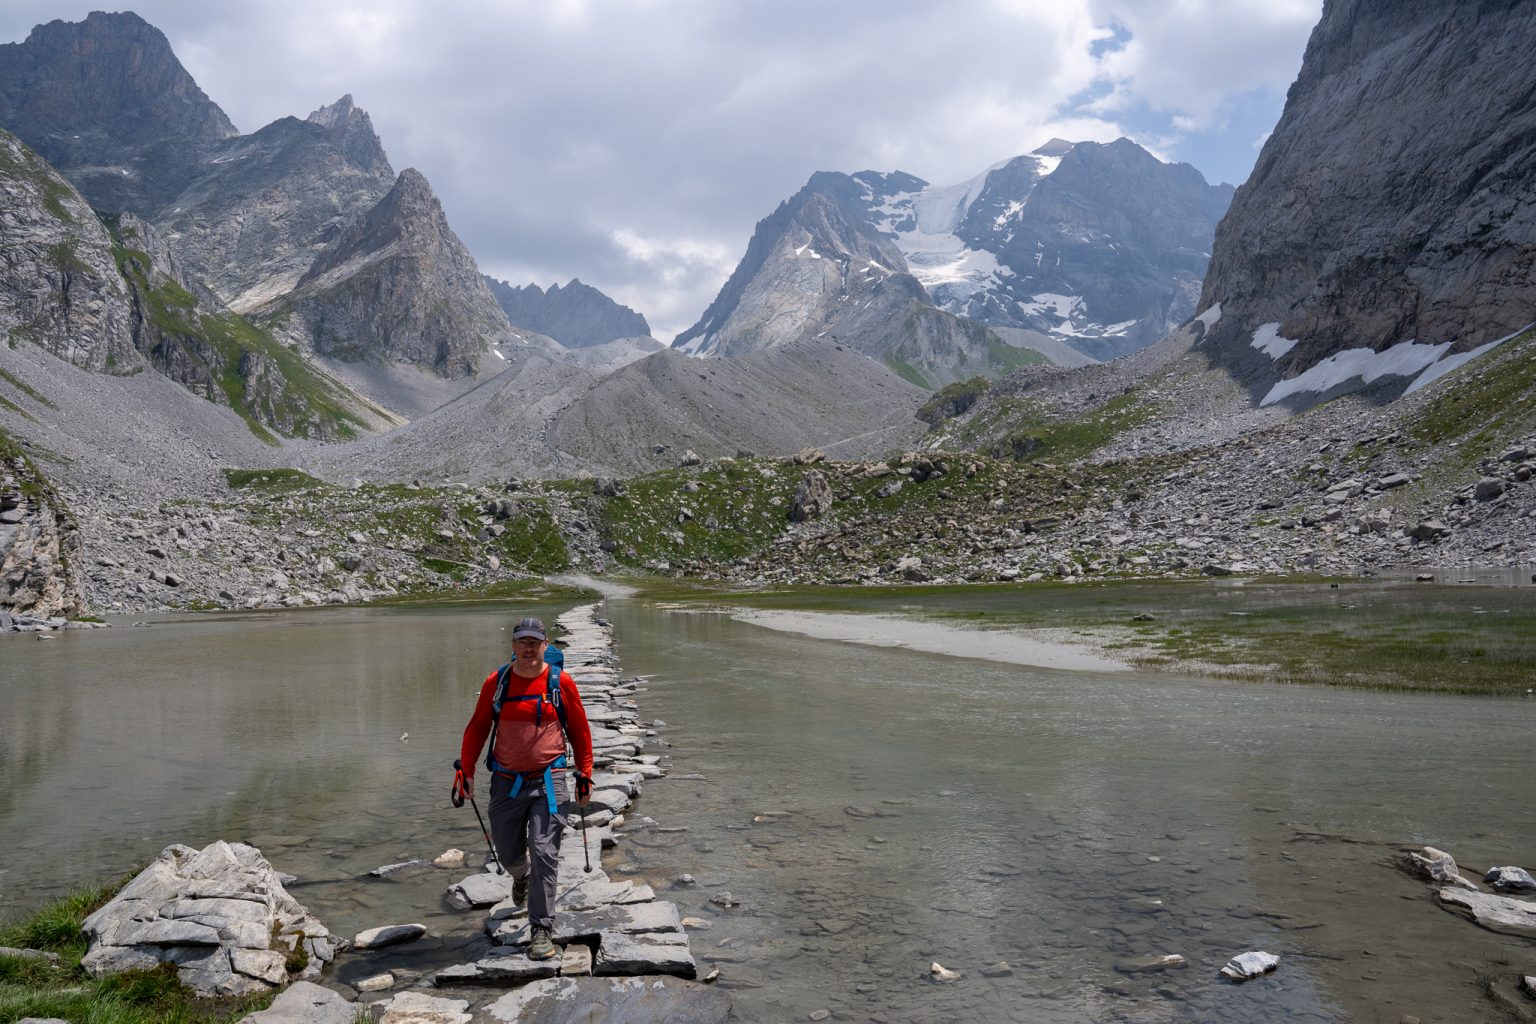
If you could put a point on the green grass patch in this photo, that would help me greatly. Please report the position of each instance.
(1024, 430)
(906, 371)
(25, 388)
(40, 988)
(271, 387)
(735, 509)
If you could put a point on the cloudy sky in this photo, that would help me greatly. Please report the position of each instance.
(635, 143)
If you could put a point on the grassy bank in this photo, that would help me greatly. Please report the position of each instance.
(1368, 635)
(40, 988)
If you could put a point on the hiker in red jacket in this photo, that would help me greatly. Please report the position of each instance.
(530, 717)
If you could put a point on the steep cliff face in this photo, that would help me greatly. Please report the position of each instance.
(1390, 221)
(397, 284)
(265, 205)
(106, 102)
(59, 284)
(183, 332)
(577, 316)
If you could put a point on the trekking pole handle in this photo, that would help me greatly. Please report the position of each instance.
(457, 793)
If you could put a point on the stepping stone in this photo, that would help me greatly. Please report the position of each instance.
(620, 954)
(565, 999)
(512, 969)
(628, 920)
(575, 959)
(419, 1008)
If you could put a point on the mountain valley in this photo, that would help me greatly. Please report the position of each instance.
(262, 370)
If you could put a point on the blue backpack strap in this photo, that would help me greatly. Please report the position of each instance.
(498, 698)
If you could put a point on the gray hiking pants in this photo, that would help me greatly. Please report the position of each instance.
(528, 839)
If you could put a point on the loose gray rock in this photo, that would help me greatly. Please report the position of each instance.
(813, 498)
(482, 890)
(1510, 879)
(220, 914)
(1488, 488)
(388, 935)
(1250, 965)
(306, 1003)
(1437, 866)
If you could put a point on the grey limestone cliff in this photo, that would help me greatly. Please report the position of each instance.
(265, 205)
(577, 315)
(397, 284)
(1393, 204)
(59, 283)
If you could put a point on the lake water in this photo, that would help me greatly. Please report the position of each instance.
(873, 810)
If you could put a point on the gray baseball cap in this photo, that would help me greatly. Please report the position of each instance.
(529, 627)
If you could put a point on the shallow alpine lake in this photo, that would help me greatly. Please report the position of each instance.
(871, 809)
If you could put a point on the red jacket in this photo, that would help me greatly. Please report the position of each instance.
(522, 744)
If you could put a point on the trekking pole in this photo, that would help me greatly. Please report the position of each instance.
(582, 808)
(458, 801)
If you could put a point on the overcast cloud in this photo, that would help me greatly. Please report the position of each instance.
(635, 144)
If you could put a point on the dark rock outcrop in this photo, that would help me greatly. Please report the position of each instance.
(107, 103)
(397, 284)
(1392, 203)
(577, 316)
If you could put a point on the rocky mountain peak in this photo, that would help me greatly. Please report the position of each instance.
(1055, 147)
(338, 112)
(397, 284)
(577, 315)
(352, 129)
(106, 102)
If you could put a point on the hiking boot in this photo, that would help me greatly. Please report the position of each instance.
(543, 945)
(520, 891)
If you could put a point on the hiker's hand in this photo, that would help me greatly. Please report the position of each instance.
(583, 788)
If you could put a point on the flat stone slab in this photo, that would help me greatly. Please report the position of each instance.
(618, 953)
(306, 1003)
(611, 1000)
(388, 935)
(1503, 914)
(635, 919)
(512, 969)
(419, 1008)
